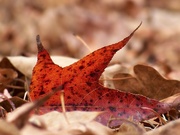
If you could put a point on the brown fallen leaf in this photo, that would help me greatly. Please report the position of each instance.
(17, 84)
(147, 82)
(15, 100)
(7, 75)
(158, 86)
(128, 83)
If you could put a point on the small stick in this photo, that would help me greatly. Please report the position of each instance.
(63, 106)
(84, 43)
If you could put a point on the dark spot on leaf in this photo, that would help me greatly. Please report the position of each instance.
(113, 109)
(43, 55)
(97, 70)
(156, 109)
(89, 83)
(138, 98)
(5, 75)
(144, 112)
(92, 74)
(121, 100)
(56, 107)
(47, 81)
(122, 113)
(90, 63)
(91, 100)
(115, 50)
(41, 93)
(102, 109)
(81, 67)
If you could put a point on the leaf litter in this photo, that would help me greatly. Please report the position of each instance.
(23, 126)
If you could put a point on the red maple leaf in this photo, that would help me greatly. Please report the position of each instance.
(82, 90)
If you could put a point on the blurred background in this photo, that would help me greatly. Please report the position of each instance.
(98, 23)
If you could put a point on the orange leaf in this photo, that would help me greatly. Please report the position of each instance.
(81, 87)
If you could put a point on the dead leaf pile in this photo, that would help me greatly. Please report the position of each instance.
(146, 82)
(89, 95)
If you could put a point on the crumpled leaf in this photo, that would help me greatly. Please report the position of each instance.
(147, 82)
(82, 90)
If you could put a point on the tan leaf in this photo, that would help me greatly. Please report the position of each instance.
(55, 120)
(8, 128)
(26, 64)
(91, 128)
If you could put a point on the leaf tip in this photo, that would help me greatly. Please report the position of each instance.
(136, 29)
(39, 44)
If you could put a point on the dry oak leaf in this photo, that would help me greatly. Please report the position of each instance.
(157, 86)
(82, 90)
(147, 82)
